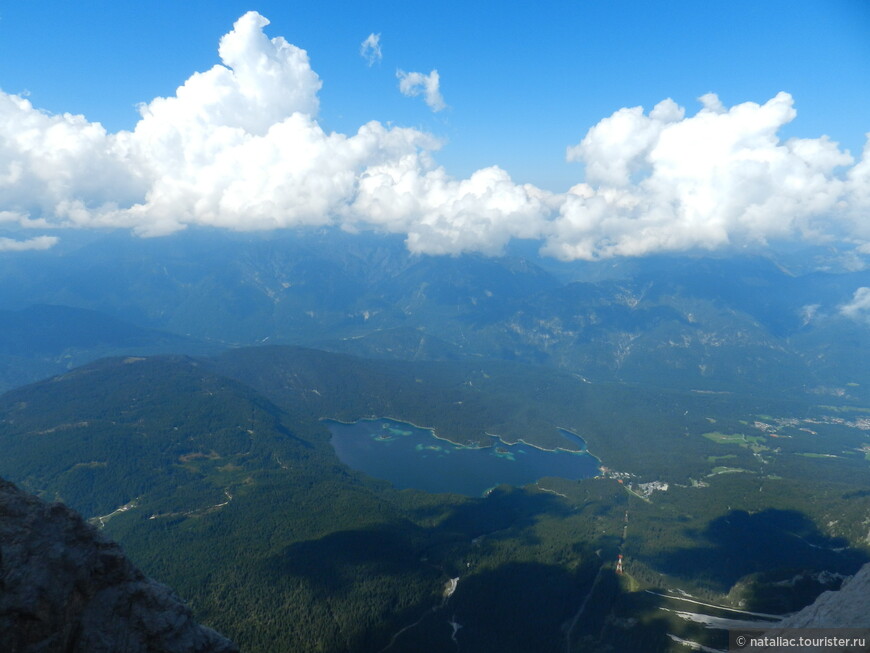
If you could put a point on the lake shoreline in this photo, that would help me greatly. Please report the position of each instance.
(407, 462)
(375, 418)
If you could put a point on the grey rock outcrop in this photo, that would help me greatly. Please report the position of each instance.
(848, 607)
(64, 587)
(845, 612)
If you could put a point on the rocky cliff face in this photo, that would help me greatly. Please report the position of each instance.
(849, 607)
(66, 588)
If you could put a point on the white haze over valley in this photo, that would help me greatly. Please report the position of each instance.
(239, 147)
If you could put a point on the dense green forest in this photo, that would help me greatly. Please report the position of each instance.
(217, 476)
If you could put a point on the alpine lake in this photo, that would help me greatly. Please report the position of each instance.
(412, 457)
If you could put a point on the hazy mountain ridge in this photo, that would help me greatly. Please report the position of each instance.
(708, 323)
(42, 340)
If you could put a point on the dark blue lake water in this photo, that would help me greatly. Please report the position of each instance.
(412, 457)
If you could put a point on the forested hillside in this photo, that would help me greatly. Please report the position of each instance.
(236, 499)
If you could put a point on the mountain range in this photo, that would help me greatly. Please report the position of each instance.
(703, 323)
(174, 392)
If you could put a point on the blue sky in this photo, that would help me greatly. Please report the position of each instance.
(522, 81)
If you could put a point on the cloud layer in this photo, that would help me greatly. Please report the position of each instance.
(663, 181)
(239, 146)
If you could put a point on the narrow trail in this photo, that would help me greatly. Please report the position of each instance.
(570, 631)
(196, 511)
(409, 627)
(101, 520)
(449, 589)
(582, 608)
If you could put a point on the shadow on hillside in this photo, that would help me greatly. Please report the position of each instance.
(856, 494)
(516, 607)
(739, 544)
(503, 604)
(504, 507)
(336, 562)
(528, 606)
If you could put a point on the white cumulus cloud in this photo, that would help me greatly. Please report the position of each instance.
(370, 49)
(442, 215)
(664, 182)
(414, 84)
(239, 146)
(60, 165)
